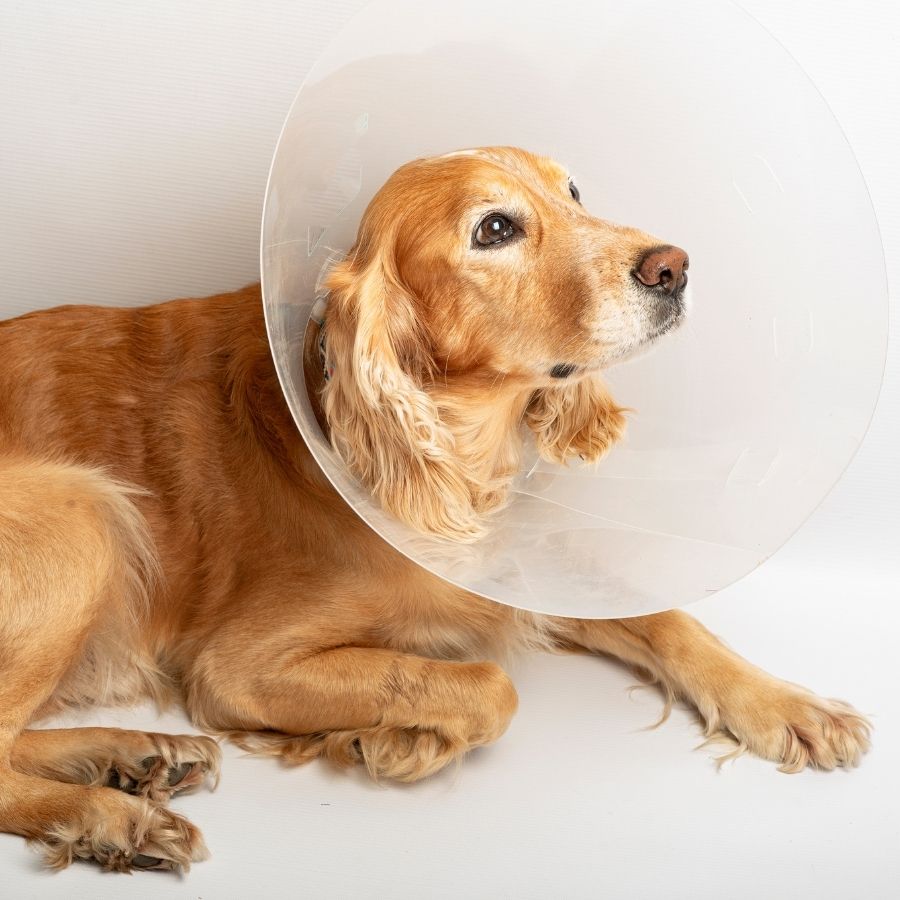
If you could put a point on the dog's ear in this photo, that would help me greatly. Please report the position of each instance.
(580, 419)
(383, 423)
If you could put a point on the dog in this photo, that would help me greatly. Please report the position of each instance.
(165, 533)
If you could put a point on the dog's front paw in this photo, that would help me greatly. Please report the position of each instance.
(792, 726)
(580, 421)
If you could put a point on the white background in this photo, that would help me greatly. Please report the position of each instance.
(134, 146)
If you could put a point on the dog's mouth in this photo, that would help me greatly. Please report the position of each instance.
(665, 316)
(669, 321)
(668, 314)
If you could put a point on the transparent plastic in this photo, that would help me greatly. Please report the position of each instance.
(692, 123)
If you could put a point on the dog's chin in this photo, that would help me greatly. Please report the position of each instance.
(667, 321)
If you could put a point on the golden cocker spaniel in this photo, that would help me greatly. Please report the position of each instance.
(164, 531)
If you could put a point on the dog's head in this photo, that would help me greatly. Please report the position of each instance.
(480, 292)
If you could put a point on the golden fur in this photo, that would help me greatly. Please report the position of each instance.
(165, 532)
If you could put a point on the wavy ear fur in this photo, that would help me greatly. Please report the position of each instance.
(580, 419)
(383, 423)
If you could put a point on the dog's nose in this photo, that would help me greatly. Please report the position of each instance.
(664, 267)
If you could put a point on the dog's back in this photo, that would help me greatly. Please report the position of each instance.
(90, 383)
(172, 408)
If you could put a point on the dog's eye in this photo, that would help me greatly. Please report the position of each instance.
(576, 194)
(493, 229)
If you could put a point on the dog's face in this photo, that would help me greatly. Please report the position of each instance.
(508, 272)
(480, 295)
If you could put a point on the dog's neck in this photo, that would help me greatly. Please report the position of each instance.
(485, 416)
(483, 412)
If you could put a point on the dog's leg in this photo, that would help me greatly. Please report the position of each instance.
(68, 545)
(404, 716)
(775, 719)
(142, 763)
